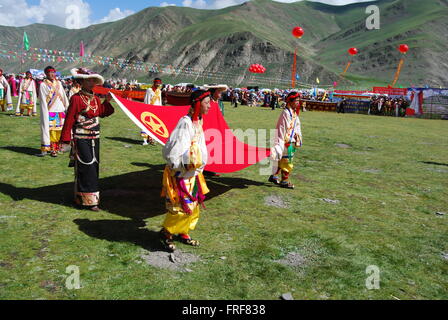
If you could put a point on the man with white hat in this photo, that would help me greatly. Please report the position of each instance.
(82, 131)
(216, 91)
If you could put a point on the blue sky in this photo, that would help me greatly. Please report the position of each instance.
(24, 12)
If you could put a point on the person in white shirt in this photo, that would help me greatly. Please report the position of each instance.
(153, 97)
(5, 93)
(288, 138)
(53, 105)
(27, 96)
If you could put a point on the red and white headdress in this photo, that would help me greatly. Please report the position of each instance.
(196, 103)
(82, 73)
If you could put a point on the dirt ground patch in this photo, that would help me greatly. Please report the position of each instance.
(343, 145)
(177, 261)
(275, 201)
(293, 259)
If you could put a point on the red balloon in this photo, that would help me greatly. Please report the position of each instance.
(353, 51)
(298, 32)
(403, 48)
(257, 68)
(253, 68)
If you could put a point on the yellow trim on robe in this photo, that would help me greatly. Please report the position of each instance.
(26, 106)
(55, 136)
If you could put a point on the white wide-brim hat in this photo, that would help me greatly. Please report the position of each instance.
(216, 86)
(81, 73)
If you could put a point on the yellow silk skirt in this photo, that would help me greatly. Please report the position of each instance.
(177, 221)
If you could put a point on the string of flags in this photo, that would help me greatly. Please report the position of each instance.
(61, 56)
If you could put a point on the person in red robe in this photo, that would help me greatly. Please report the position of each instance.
(82, 130)
(13, 84)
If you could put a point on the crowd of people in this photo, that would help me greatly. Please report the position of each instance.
(388, 106)
(269, 98)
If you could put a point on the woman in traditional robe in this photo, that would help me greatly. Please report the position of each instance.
(82, 131)
(184, 186)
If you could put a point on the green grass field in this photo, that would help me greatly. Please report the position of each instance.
(390, 183)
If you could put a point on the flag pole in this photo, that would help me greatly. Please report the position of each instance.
(294, 70)
(21, 53)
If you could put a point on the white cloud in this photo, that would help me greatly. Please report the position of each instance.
(198, 4)
(116, 14)
(19, 13)
(219, 4)
(72, 14)
(166, 4)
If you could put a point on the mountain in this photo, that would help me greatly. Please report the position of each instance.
(230, 39)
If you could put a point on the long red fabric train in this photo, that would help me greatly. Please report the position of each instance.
(226, 153)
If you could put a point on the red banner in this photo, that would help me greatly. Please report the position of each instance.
(136, 95)
(350, 91)
(390, 91)
(226, 153)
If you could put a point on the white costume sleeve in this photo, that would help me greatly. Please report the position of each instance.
(279, 142)
(176, 150)
(34, 96)
(298, 130)
(20, 97)
(148, 96)
(7, 90)
(63, 96)
(44, 120)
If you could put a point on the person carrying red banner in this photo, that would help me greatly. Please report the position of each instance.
(153, 97)
(216, 91)
(82, 130)
(288, 139)
(184, 186)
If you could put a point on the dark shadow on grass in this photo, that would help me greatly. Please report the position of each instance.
(125, 140)
(133, 195)
(121, 231)
(435, 163)
(22, 150)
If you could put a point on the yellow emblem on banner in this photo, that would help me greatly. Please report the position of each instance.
(155, 124)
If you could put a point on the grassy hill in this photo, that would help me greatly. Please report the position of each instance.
(259, 31)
